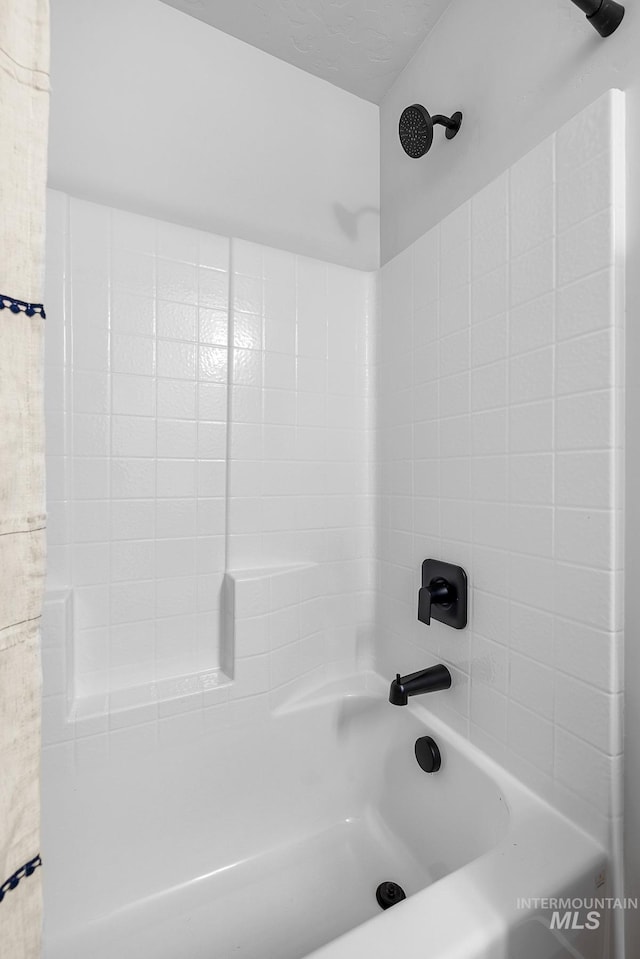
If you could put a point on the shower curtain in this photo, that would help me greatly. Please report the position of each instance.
(24, 106)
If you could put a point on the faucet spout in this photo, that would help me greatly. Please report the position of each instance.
(413, 684)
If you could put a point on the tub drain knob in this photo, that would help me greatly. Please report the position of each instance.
(388, 894)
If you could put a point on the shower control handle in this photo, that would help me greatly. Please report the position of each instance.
(443, 594)
(438, 592)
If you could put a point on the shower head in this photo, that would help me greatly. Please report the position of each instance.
(416, 129)
(604, 15)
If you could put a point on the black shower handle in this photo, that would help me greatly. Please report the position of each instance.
(438, 593)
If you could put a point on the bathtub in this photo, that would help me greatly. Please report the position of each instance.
(268, 840)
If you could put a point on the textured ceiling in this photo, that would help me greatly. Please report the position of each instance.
(360, 45)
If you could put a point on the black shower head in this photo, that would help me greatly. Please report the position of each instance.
(605, 15)
(416, 129)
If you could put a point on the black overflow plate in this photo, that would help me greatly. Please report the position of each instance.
(428, 754)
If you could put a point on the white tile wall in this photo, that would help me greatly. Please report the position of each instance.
(194, 425)
(138, 470)
(300, 463)
(499, 449)
(210, 407)
(277, 620)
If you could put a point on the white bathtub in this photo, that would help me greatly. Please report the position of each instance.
(267, 841)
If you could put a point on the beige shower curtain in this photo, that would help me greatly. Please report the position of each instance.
(24, 105)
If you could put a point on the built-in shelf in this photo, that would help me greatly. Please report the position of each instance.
(271, 637)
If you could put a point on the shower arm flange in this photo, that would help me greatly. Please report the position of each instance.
(451, 123)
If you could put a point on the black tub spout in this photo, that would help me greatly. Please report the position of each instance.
(424, 681)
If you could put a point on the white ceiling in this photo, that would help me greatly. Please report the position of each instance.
(360, 45)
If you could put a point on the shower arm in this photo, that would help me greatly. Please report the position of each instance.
(447, 122)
